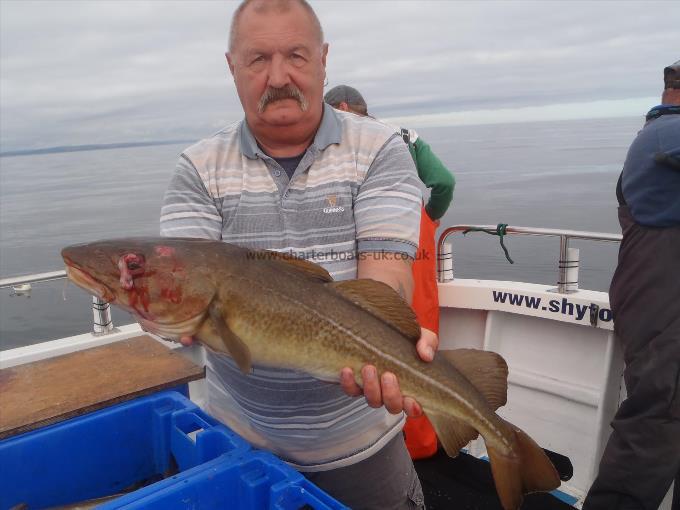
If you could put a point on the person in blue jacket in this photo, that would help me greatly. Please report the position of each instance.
(642, 456)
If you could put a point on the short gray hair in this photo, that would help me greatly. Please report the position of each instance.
(266, 5)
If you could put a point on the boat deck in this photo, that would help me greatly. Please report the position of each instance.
(48, 391)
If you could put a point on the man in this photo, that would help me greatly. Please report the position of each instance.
(295, 176)
(421, 439)
(643, 453)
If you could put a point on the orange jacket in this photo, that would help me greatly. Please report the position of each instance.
(421, 439)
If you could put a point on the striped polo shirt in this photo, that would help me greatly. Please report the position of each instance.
(355, 190)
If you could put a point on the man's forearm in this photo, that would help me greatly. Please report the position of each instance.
(383, 389)
(394, 269)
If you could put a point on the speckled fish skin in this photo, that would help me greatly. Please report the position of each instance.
(266, 311)
(285, 318)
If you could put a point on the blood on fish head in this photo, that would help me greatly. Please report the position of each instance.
(162, 281)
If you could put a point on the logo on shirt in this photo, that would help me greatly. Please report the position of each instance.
(332, 201)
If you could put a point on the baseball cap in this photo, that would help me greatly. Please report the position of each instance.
(671, 76)
(344, 94)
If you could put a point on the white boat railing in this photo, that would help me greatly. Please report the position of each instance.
(17, 281)
(567, 279)
(102, 323)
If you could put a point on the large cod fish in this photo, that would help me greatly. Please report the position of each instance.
(271, 309)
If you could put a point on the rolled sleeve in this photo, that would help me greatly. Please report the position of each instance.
(387, 207)
(188, 209)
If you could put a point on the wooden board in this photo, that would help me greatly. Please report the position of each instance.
(52, 390)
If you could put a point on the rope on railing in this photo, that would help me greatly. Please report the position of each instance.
(501, 230)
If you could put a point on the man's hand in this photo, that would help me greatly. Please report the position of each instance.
(385, 390)
(186, 341)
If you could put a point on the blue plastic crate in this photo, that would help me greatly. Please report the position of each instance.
(110, 450)
(255, 480)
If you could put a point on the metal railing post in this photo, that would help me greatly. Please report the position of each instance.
(445, 264)
(562, 265)
(102, 322)
(567, 279)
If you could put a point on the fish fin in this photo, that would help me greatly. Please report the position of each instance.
(527, 470)
(452, 433)
(305, 267)
(383, 302)
(486, 370)
(237, 348)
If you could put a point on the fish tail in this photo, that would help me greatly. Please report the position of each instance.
(525, 469)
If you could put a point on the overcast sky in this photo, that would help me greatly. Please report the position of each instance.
(82, 72)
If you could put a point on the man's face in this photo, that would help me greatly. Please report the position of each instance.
(278, 55)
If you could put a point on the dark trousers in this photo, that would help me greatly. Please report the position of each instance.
(384, 481)
(642, 456)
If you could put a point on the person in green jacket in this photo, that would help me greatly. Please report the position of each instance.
(431, 170)
(421, 439)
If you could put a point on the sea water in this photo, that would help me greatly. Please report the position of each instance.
(542, 174)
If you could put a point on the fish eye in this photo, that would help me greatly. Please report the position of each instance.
(134, 263)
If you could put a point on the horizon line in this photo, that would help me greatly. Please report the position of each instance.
(87, 147)
(601, 109)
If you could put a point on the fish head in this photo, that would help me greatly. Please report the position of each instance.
(167, 284)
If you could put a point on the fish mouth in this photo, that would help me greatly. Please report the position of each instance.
(86, 282)
(172, 330)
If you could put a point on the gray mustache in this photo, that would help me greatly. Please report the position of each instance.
(276, 94)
